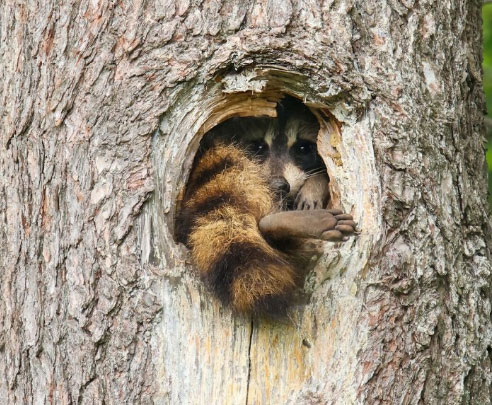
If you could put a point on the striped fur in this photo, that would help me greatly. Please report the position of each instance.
(225, 198)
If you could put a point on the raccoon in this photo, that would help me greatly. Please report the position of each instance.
(257, 189)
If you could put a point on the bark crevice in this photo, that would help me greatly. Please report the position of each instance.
(249, 359)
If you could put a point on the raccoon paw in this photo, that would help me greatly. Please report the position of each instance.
(344, 228)
(313, 194)
(331, 225)
(306, 202)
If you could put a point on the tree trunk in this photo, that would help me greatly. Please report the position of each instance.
(102, 108)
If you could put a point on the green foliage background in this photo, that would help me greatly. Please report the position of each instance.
(487, 54)
(487, 83)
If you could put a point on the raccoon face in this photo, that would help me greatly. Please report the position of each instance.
(285, 148)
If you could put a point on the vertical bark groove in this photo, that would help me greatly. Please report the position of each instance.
(249, 360)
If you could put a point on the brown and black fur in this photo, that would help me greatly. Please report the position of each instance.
(225, 198)
(231, 188)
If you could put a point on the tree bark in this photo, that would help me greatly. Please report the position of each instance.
(102, 108)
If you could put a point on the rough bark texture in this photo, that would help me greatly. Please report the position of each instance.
(102, 106)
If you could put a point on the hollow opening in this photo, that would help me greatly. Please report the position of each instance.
(200, 109)
(289, 139)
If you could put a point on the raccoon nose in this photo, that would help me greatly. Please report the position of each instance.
(280, 186)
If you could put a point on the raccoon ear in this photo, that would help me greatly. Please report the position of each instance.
(290, 105)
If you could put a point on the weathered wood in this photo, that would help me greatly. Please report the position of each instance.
(102, 108)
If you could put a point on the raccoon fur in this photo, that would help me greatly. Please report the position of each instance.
(246, 169)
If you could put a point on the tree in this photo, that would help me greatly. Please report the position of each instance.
(103, 105)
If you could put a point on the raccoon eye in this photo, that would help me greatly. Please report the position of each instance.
(258, 148)
(304, 147)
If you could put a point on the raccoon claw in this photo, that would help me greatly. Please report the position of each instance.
(303, 204)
